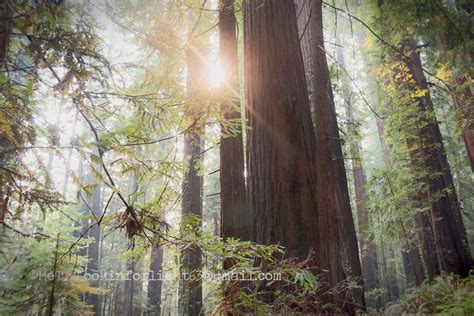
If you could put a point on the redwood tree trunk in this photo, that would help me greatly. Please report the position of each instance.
(446, 221)
(190, 298)
(462, 95)
(235, 216)
(331, 189)
(280, 145)
(4, 36)
(281, 142)
(412, 265)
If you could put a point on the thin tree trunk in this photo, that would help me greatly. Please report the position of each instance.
(235, 216)
(154, 281)
(53, 282)
(332, 191)
(366, 246)
(190, 298)
(129, 288)
(4, 38)
(93, 247)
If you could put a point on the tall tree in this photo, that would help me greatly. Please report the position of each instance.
(235, 216)
(129, 290)
(190, 298)
(281, 142)
(94, 247)
(445, 215)
(366, 245)
(331, 182)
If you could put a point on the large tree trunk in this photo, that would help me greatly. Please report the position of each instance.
(332, 192)
(446, 222)
(155, 281)
(281, 143)
(190, 298)
(235, 215)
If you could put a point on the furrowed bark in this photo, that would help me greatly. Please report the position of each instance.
(235, 216)
(332, 192)
(281, 143)
(190, 298)
(445, 214)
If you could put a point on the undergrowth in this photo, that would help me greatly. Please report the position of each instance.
(445, 295)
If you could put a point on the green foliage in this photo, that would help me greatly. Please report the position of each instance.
(445, 295)
(292, 285)
(39, 270)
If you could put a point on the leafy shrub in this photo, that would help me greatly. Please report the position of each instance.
(447, 294)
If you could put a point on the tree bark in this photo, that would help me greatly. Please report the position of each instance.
(332, 192)
(154, 281)
(4, 37)
(129, 288)
(462, 95)
(235, 216)
(190, 298)
(5, 12)
(281, 142)
(446, 222)
(412, 265)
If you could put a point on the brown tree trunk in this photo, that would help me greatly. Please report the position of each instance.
(280, 146)
(235, 216)
(155, 281)
(281, 142)
(190, 298)
(4, 36)
(445, 215)
(429, 251)
(413, 266)
(303, 18)
(464, 104)
(367, 248)
(129, 288)
(332, 192)
(462, 95)
(4, 33)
